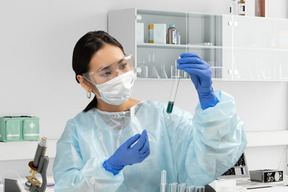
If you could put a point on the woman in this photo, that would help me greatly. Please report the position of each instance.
(121, 144)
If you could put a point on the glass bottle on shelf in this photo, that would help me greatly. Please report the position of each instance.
(152, 70)
(151, 33)
(142, 70)
(242, 7)
(171, 35)
(162, 71)
(233, 7)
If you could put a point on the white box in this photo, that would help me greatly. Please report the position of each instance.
(140, 32)
(224, 185)
(160, 33)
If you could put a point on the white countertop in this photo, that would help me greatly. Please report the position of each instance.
(47, 189)
(50, 181)
(270, 189)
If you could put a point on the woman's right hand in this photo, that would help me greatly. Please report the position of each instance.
(127, 155)
(200, 74)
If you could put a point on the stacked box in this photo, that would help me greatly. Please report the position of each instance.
(157, 33)
(19, 128)
(140, 33)
(160, 33)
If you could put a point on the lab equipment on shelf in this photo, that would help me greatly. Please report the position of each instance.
(178, 38)
(159, 33)
(162, 71)
(242, 7)
(140, 32)
(142, 70)
(260, 8)
(151, 33)
(171, 35)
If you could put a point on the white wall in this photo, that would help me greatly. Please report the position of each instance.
(37, 39)
(277, 9)
(36, 42)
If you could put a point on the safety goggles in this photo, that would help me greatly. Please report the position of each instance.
(110, 71)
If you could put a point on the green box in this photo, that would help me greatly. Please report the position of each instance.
(19, 128)
(30, 129)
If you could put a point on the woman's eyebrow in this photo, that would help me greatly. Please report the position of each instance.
(120, 61)
(104, 68)
(109, 66)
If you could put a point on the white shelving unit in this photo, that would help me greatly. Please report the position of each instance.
(24, 150)
(149, 45)
(162, 56)
(241, 48)
(267, 138)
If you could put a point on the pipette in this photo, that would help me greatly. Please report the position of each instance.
(174, 89)
(163, 181)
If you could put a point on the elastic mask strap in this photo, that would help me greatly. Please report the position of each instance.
(97, 96)
(87, 79)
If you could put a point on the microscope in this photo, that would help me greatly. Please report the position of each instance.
(38, 165)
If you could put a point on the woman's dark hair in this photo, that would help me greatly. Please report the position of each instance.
(84, 50)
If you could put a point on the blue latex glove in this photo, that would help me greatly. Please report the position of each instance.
(200, 74)
(127, 155)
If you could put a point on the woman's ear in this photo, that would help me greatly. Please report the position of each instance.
(84, 83)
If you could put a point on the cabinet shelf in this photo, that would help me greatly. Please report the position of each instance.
(177, 46)
(267, 138)
(260, 49)
(214, 79)
(24, 150)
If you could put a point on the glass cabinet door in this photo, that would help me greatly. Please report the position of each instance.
(236, 47)
(254, 43)
(199, 33)
(204, 37)
(156, 58)
(281, 49)
(228, 70)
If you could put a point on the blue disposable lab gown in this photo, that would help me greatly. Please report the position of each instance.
(192, 149)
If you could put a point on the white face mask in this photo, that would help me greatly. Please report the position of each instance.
(117, 90)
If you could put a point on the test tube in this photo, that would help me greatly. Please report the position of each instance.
(173, 187)
(182, 187)
(163, 181)
(173, 93)
(196, 188)
(201, 188)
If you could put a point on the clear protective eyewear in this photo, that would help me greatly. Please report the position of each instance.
(108, 72)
